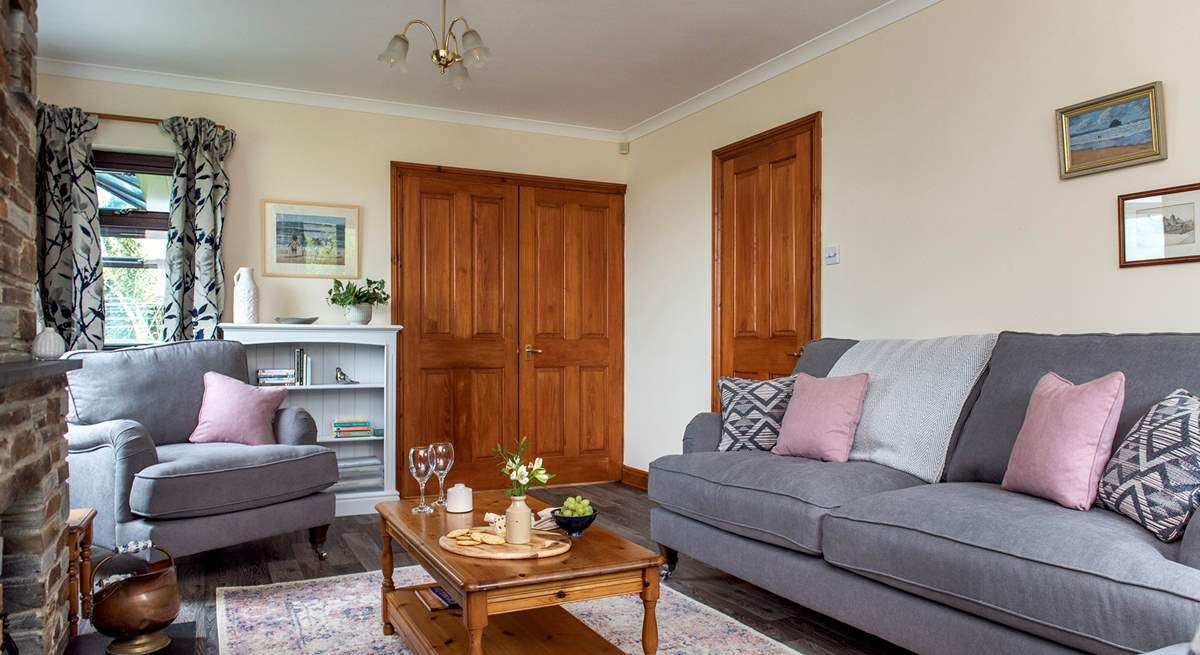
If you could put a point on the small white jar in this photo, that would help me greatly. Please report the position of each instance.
(459, 499)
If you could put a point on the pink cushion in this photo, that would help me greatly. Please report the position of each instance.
(821, 417)
(236, 412)
(1066, 439)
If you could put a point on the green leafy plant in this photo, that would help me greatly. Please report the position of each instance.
(347, 294)
(522, 474)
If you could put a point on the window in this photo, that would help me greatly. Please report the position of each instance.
(134, 193)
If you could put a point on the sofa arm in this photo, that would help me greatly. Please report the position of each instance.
(294, 427)
(103, 459)
(703, 433)
(1189, 546)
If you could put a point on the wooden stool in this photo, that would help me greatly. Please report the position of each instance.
(79, 568)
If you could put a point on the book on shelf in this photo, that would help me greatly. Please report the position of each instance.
(351, 422)
(435, 599)
(356, 462)
(359, 484)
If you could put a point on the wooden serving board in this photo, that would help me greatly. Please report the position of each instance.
(541, 544)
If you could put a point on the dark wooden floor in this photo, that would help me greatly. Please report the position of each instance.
(354, 547)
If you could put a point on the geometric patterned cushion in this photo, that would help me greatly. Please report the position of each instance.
(1154, 475)
(752, 411)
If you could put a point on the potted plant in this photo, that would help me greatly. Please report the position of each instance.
(521, 475)
(357, 300)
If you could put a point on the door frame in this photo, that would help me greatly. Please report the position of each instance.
(719, 156)
(398, 170)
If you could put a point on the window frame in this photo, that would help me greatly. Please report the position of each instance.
(131, 222)
(134, 162)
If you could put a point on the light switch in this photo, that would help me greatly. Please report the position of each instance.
(833, 255)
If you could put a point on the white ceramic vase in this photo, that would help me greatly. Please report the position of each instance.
(245, 296)
(358, 314)
(48, 344)
(517, 521)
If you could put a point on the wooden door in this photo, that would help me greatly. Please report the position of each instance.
(458, 306)
(571, 326)
(766, 239)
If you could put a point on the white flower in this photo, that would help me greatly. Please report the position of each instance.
(541, 476)
(522, 475)
(537, 464)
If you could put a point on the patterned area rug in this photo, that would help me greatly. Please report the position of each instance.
(340, 615)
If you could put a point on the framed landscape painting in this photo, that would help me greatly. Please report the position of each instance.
(303, 239)
(1158, 227)
(1118, 130)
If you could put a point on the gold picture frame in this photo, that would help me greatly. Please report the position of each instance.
(310, 240)
(1121, 129)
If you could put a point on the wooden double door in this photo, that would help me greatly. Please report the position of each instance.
(510, 291)
(766, 242)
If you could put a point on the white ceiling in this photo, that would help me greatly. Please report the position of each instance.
(609, 65)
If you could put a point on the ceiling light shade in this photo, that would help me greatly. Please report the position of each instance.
(458, 74)
(396, 52)
(474, 52)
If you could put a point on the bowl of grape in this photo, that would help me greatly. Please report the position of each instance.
(575, 515)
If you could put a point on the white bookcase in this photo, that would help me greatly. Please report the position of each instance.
(367, 353)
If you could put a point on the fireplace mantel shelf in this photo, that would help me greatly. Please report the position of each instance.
(31, 370)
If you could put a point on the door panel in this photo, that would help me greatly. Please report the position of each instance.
(459, 281)
(570, 393)
(765, 286)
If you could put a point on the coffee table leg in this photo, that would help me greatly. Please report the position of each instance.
(476, 619)
(387, 567)
(649, 621)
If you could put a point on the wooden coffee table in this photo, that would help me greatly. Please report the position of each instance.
(509, 607)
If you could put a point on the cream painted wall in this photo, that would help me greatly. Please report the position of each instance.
(939, 184)
(293, 152)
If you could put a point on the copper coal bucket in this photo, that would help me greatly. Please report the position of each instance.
(134, 611)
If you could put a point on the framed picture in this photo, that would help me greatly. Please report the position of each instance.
(1118, 130)
(1158, 227)
(302, 239)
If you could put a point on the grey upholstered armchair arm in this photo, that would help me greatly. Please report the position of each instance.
(1189, 546)
(104, 458)
(294, 427)
(703, 433)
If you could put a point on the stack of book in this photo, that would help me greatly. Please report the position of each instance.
(359, 473)
(299, 374)
(354, 427)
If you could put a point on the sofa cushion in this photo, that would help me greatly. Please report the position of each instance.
(1154, 365)
(1154, 476)
(752, 412)
(820, 355)
(158, 386)
(235, 412)
(1066, 439)
(774, 499)
(917, 393)
(1092, 580)
(217, 478)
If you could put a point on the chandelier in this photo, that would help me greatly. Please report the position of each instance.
(452, 54)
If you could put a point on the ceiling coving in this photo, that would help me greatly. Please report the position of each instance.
(452, 54)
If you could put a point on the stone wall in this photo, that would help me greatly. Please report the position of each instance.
(18, 152)
(33, 469)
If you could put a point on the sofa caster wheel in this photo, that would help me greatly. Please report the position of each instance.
(316, 537)
(671, 557)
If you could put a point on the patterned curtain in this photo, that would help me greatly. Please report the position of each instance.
(195, 294)
(69, 271)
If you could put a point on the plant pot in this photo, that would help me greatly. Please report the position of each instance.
(359, 314)
(517, 521)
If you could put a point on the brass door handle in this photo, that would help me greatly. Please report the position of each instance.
(530, 351)
(797, 353)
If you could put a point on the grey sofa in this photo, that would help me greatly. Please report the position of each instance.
(961, 566)
(131, 414)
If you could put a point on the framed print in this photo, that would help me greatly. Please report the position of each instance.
(302, 239)
(1158, 227)
(1118, 130)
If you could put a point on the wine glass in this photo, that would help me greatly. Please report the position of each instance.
(420, 465)
(443, 460)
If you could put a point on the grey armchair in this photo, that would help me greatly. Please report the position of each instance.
(131, 414)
